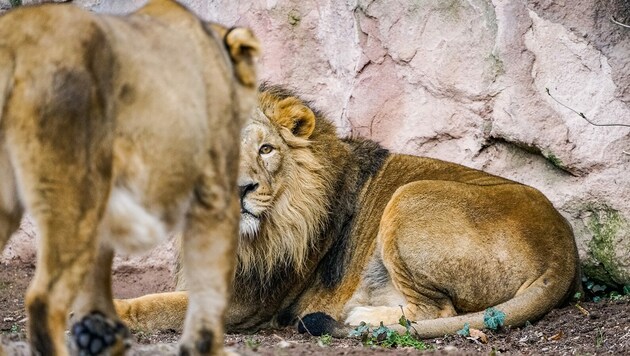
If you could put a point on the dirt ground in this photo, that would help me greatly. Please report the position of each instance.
(587, 329)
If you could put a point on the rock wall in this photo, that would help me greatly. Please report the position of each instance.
(504, 85)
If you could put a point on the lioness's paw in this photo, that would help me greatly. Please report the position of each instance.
(205, 343)
(95, 334)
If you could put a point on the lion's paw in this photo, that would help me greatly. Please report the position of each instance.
(373, 315)
(95, 334)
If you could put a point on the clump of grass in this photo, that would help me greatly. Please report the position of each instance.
(325, 340)
(465, 331)
(493, 318)
(388, 338)
(252, 344)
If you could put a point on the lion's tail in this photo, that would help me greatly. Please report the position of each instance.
(6, 75)
(546, 293)
(533, 303)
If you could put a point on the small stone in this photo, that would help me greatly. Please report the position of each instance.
(450, 348)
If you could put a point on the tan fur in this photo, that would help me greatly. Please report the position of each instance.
(442, 240)
(115, 132)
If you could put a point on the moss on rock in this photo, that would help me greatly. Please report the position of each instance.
(607, 227)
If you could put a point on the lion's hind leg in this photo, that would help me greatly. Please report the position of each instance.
(455, 248)
(408, 259)
(379, 300)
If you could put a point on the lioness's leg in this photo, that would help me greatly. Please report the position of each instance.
(60, 142)
(97, 327)
(209, 258)
(67, 249)
(10, 209)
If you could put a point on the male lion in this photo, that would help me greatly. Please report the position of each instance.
(115, 131)
(343, 228)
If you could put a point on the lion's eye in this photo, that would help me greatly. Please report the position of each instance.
(265, 149)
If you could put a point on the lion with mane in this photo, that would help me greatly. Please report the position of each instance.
(336, 231)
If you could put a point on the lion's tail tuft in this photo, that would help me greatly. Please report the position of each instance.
(318, 324)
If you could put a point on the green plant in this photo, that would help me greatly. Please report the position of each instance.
(294, 18)
(15, 328)
(465, 331)
(493, 318)
(599, 340)
(15, 3)
(388, 338)
(597, 291)
(252, 343)
(553, 159)
(325, 339)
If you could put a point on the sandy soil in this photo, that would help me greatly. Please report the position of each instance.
(590, 328)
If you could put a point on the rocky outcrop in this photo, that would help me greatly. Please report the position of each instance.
(504, 86)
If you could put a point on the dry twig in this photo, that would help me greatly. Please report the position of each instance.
(612, 18)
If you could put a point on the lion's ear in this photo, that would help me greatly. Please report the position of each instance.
(243, 48)
(295, 116)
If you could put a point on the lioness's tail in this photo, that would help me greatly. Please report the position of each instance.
(533, 303)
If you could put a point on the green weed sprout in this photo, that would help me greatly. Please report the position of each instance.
(493, 318)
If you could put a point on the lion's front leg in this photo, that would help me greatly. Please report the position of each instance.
(153, 312)
(209, 243)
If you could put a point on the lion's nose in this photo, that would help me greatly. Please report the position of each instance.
(244, 189)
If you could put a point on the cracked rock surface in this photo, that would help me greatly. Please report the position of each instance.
(500, 85)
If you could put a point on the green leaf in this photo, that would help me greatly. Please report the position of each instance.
(360, 330)
(381, 332)
(465, 331)
(325, 339)
(493, 318)
(404, 322)
(626, 289)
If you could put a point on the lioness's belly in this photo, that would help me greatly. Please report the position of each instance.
(130, 227)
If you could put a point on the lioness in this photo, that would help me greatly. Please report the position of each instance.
(338, 231)
(115, 131)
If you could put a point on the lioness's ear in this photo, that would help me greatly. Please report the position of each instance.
(295, 116)
(243, 48)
